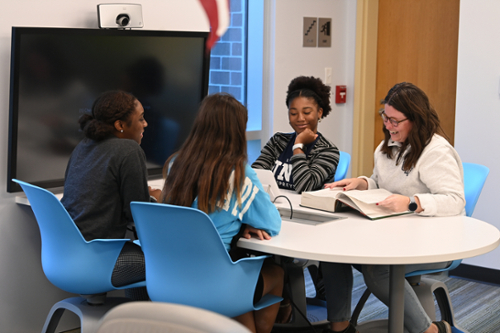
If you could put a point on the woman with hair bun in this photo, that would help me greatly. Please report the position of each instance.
(304, 159)
(106, 171)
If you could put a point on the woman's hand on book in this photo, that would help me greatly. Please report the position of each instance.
(350, 184)
(395, 203)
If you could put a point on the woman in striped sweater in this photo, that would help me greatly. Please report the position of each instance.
(302, 160)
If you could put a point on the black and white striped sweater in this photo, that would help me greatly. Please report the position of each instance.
(309, 172)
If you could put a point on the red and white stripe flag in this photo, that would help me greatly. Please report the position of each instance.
(219, 18)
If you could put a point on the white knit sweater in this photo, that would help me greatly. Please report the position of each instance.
(436, 179)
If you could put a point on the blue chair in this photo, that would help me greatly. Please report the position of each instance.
(187, 263)
(343, 166)
(73, 264)
(427, 289)
(474, 178)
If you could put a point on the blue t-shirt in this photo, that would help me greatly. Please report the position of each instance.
(256, 210)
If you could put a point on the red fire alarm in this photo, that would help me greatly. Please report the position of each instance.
(340, 94)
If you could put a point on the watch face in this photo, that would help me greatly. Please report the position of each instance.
(412, 206)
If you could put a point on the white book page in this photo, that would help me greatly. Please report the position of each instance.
(370, 196)
(372, 210)
(332, 193)
(367, 206)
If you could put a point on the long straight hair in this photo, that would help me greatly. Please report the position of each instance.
(414, 104)
(215, 147)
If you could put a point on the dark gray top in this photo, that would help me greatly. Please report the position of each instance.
(102, 178)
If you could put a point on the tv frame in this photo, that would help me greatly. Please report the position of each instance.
(18, 32)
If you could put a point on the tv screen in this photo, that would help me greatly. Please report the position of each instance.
(57, 73)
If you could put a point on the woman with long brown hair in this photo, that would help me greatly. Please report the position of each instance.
(424, 171)
(210, 172)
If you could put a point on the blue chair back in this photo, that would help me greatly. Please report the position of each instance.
(474, 178)
(343, 166)
(187, 262)
(68, 260)
(454, 264)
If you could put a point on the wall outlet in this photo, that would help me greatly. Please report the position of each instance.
(328, 75)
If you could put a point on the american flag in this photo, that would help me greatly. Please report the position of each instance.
(219, 18)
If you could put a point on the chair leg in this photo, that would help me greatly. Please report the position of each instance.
(426, 290)
(443, 300)
(52, 320)
(89, 315)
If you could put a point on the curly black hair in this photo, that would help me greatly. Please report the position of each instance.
(311, 87)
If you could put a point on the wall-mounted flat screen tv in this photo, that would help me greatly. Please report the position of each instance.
(57, 73)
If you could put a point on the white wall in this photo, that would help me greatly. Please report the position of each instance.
(289, 60)
(477, 134)
(26, 295)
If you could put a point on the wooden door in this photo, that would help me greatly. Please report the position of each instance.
(418, 43)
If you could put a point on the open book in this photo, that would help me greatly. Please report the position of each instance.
(335, 200)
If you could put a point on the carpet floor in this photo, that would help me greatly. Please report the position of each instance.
(476, 305)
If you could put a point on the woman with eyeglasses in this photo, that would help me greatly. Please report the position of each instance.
(424, 171)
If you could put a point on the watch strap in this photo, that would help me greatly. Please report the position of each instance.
(298, 146)
(412, 206)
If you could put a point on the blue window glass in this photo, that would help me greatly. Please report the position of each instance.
(236, 64)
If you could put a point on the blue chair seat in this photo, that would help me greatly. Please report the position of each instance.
(187, 262)
(73, 264)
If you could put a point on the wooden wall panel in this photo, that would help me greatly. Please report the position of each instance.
(418, 43)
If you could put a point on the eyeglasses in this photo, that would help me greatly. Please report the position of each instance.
(393, 121)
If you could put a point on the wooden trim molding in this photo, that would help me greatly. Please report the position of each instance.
(364, 87)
